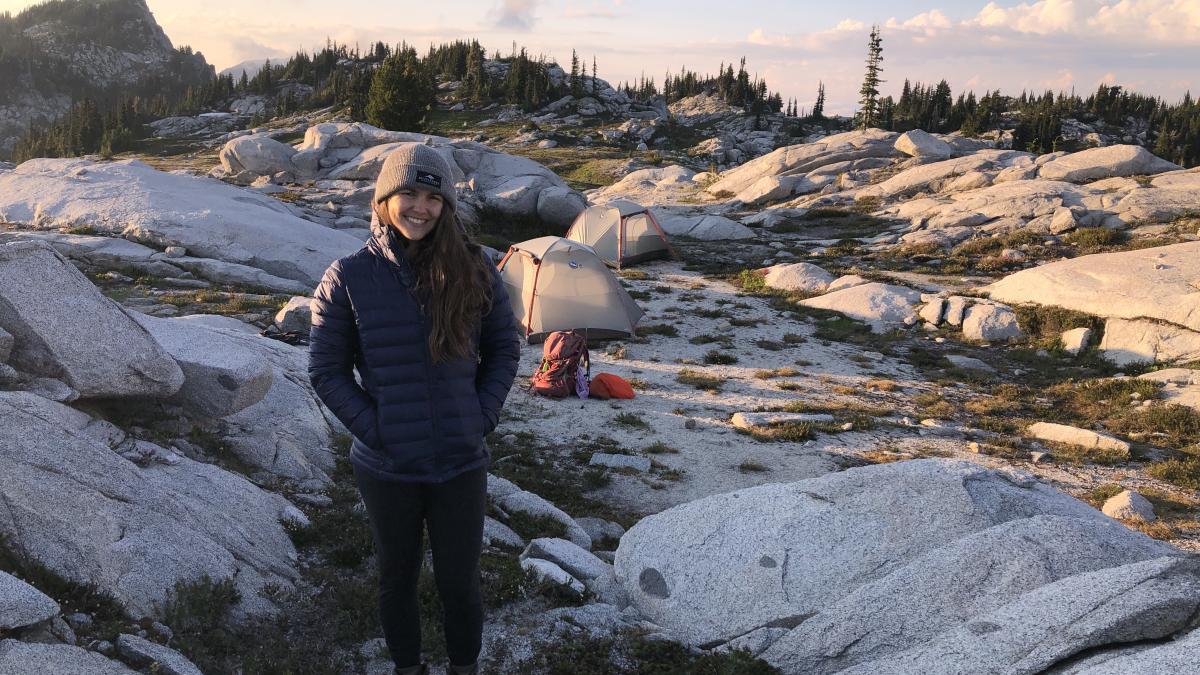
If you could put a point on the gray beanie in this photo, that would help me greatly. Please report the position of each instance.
(415, 165)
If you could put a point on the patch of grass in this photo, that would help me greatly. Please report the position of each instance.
(794, 339)
(751, 466)
(660, 448)
(699, 380)
(1102, 493)
(633, 275)
(934, 404)
(725, 341)
(1093, 239)
(1181, 471)
(746, 323)
(716, 357)
(579, 654)
(87, 230)
(666, 329)
(1073, 454)
(632, 420)
(709, 313)
(1048, 322)
(882, 385)
(786, 371)
(1180, 424)
(783, 432)
(752, 282)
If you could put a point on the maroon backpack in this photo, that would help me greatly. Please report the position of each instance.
(560, 373)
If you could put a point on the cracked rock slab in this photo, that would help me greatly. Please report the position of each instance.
(21, 658)
(1145, 600)
(721, 566)
(64, 328)
(91, 516)
(23, 605)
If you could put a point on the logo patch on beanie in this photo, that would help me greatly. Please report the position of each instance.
(426, 178)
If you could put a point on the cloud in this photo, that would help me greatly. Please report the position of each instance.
(758, 37)
(514, 14)
(1131, 20)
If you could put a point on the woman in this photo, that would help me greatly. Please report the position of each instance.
(422, 315)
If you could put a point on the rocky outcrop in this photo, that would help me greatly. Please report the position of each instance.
(21, 658)
(64, 328)
(23, 605)
(882, 306)
(208, 218)
(803, 158)
(71, 503)
(1098, 163)
(918, 566)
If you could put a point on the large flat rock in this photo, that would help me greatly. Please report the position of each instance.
(1107, 162)
(289, 432)
(89, 515)
(805, 157)
(948, 586)
(221, 377)
(207, 217)
(776, 555)
(1144, 600)
(1137, 341)
(64, 328)
(1157, 283)
(23, 658)
(23, 605)
(882, 306)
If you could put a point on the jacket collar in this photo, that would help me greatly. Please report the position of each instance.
(384, 244)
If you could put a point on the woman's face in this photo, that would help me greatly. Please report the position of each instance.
(413, 212)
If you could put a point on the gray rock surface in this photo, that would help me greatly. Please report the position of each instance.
(23, 605)
(296, 315)
(1076, 340)
(91, 516)
(158, 658)
(64, 328)
(1139, 601)
(918, 143)
(882, 306)
(1129, 505)
(534, 505)
(990, 322)
(1097, 163)
(617, 461)
(289, 432)
(721, 566)
(257, 153)
(21, 658)
(496, 533)
(949, 586)
(1084, 438)
(548, 572)
(6, 345)
(804, 277)
(578, 562)
(1180, 656)
(221, 376)
(208, 218)
(1134, 341)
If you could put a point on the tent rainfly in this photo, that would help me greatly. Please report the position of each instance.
(558, 284)
(621, 232)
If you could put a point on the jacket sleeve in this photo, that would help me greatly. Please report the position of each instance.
(499, 354)
(333, 344)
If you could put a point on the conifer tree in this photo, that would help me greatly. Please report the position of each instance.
(401, 92)
(576, 84)
(594, 75)
(818, 110)
(869, 93)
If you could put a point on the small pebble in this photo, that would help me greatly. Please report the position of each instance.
(847, 426)
(1038, 457)
(689, 424)
(973, 446)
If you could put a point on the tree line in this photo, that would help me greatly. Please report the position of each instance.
(1174, 129)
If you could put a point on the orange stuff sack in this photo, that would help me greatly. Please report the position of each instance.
(607, 385)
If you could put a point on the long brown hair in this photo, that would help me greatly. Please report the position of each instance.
(455, 281)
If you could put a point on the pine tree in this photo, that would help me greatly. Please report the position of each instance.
(869, 93)
(818, 110)
(401, 92)
(594, 90)
(576, 83)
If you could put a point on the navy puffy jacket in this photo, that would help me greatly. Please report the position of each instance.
(412, 419)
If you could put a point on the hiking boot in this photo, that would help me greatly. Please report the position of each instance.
(419, 669)
(472, 669)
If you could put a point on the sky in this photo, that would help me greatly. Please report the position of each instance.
(1151, 46)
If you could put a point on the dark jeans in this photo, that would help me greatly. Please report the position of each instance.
(453, 512)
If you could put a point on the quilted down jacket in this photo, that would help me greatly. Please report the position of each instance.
(412, 419)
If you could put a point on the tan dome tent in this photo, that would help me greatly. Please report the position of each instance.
(558, 284)
(621, 232)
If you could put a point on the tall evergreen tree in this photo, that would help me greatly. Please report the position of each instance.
(575, 82)
(401, 92)
(869, 93)
(818, 110)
